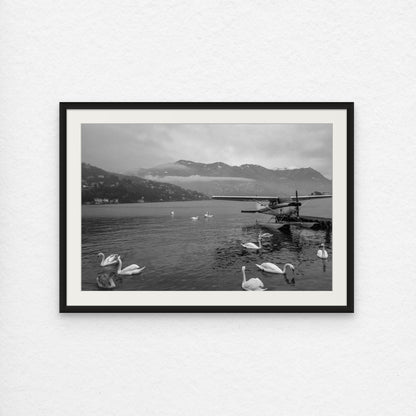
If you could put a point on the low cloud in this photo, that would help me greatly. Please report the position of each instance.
(196, 178)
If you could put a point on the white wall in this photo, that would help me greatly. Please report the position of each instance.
(78, 50)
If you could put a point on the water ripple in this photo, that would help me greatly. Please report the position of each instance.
(180, 254)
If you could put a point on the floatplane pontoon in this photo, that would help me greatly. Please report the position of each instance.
(284, 211)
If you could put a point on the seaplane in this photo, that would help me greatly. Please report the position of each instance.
(284, 210)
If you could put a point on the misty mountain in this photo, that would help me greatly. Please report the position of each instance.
(221, 179)
(103, 186)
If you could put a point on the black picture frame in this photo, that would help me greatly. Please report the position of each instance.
(347, 106)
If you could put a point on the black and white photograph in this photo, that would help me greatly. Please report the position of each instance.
(206, 206)
(212, 207)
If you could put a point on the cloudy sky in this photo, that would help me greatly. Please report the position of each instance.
(126, 147)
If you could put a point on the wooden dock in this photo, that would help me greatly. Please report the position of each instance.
(323, 223)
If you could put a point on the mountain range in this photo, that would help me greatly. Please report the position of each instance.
(221, 179)
(100, 186)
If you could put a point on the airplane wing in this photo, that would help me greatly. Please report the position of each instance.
(306, 197)
(247, 198)
(277, 199)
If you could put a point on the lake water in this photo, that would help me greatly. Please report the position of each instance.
(181, 254)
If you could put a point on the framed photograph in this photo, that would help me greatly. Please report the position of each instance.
(206, 207)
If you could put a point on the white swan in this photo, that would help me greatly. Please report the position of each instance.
(111, 259)
(194, 218)
(172, 213)
(253, 246)
(208, 215)
(272, 268)
(129, 270)
(322, 254)
(252, 284)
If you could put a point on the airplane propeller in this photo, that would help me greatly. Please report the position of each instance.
(297, 204)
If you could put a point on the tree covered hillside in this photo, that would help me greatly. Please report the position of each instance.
(100, 186)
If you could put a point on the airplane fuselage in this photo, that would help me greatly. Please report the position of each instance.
(280, 211)
(276, 209)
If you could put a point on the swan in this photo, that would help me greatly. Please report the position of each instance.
(111, 259)
(253, 246)
(172, 213)
(194, 218)
(208, 215)
(322, 254)
(129, 270)
(105, 281)
(272, 268)
(252, 284)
